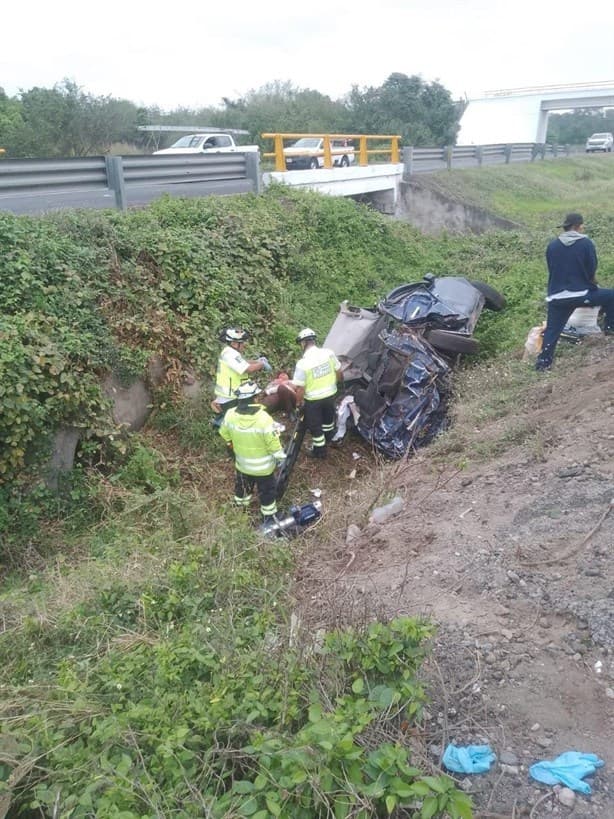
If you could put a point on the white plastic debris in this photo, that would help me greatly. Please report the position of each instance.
(383, 513)
(353, 533)
(346, 408)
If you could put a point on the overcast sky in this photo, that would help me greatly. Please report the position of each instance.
(194, 53)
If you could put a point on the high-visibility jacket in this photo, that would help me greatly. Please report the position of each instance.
(231, 373)
(255, 441)
(317, 373)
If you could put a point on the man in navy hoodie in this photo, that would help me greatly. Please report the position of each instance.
(572, 263)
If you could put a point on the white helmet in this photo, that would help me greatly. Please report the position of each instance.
(234, 334)
(306, 334)
(247, 390)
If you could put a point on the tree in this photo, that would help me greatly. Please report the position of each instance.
(65, 121)
(422, 113)
(282, 107)
(10, 118)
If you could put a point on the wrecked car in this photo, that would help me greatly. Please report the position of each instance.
(397, 356)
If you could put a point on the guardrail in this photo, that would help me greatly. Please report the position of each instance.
(36, 185)
(31, 186)
(328, 150)
(417, 160)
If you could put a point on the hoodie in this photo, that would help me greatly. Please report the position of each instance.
(572, 263)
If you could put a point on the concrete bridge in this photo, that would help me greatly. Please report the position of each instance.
(521, 114)
(380, 183)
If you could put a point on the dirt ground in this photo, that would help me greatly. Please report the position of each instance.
(511, 558)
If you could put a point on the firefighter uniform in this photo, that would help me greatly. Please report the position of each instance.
(257, 451)
(316, 372)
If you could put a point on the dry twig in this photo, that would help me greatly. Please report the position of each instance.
(543, 798)
(577, 547)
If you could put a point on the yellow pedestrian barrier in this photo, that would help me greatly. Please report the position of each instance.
(326, 149)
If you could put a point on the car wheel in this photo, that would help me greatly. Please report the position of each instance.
(493, 300)
(344, 162)
(314, 164)
(449, 342)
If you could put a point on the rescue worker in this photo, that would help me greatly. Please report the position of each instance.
(315, 378)
(233, 370)
(251, 434)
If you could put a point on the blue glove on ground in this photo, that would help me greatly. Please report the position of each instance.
(265, 363)
(468, 760)
(567, 769)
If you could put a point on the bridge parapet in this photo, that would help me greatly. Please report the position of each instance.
(384, 145)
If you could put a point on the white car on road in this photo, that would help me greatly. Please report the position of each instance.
(308, 152)
(599, 142)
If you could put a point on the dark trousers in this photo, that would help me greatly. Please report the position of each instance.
(320, 422)
(267, 491)
(559, 311)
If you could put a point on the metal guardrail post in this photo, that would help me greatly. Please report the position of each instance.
(447, 152)
(479, 155)
(408, 162)
(328, 158)
(115, 180)
(252, 169)
(508, 153)
(394, 150)
(363, 159)
(280, 161)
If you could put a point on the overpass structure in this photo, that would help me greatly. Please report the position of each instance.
(521, 114)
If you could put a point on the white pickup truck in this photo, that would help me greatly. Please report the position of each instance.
(206, 144)
(307, 153)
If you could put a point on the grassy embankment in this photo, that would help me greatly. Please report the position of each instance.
(148, 663)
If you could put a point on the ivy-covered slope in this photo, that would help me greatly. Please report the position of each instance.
(90, 292)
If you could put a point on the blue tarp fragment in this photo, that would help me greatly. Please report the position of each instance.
(470, 759)
(568, 769)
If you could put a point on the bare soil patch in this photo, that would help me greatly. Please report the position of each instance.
(511, 557)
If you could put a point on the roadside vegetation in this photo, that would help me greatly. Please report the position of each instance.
(151, 663)
(68, 121)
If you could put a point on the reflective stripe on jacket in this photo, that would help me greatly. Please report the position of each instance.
(231, 373)
(255, 441)
(317, 373)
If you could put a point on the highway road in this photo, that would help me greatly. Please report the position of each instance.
(99, 197)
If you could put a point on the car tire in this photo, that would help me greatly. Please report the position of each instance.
(344, 162)
(493, 300)
(450, 342)
(314, 164)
